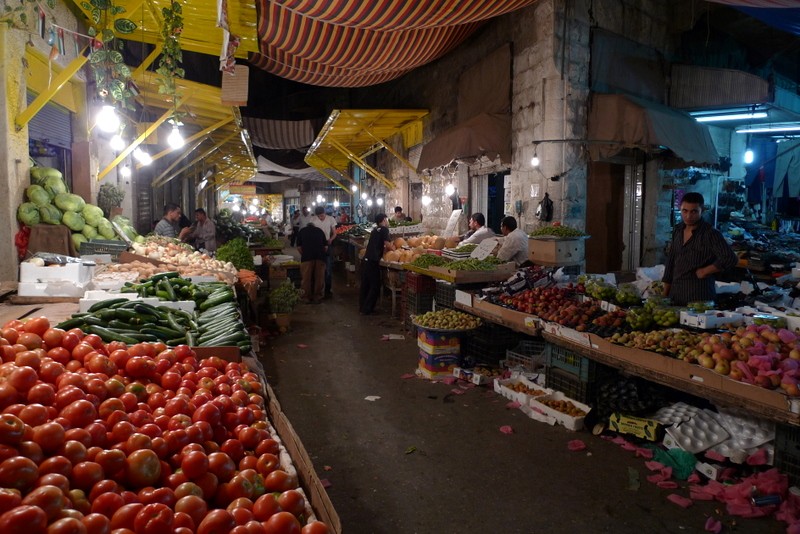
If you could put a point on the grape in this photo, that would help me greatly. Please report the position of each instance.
(558, 231)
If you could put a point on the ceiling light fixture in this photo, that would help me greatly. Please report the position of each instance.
(354, 188)
(107, 119)
(782, 127)
(125, 171)
(335, 203)
(369, 202)
(142, 157)
(449, 189)
(379, 201)
(731, 117)
(535, 159)
(117, 143)
(426, 200)
(175, 139)
(749, 156)
(364, 196)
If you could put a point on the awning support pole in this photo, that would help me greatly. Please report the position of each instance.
(158, 182)
(360, 162)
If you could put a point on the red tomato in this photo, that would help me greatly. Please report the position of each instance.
(36, 325)
(194, 506)
(9, 499)
(248, 462)
(267, 463)
(292, 501)
(102, 487)
(279, 480)
(18, 473)
(28, 358)
(12, 428)
(56, 464)
(32, 450)
(74, 451)
(50, 436)
(86, 474)
(81, 350)
(208, 483)
(112, 461)
(221, 465)
(194, 464)
(30, 340)
(49, 498)
(107, 503)
(234, 449)
(154, 518)
(143, 468)
(23, 520)
(282, 523)
(315, 527)
(183, 523)
(266, 506)
(23, 379)
(209, 413)
(240, 514)
(124, 517)
(158, 495)
(42, 394)
(67, 525)
(216, 522)
(80, 413)
(268, 446)
(10, 334)
(96, 524)
(95, 341)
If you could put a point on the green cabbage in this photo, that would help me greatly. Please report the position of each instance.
(54, 185)
(28, 213)
(40, 174)
(73, 221)
(77, 239)
(38, 195)
(126, 227)
(69, 202)
(89, 232)
(92, 214)
(50, 214)
(105, 229)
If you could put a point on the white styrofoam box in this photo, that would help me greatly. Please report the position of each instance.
(537, 415)
(567, 421)
(202, 279)
(100, 259)
(501, 386)
(710, 319)
(50, 288)
(699, 433)
(77, 273)
(258, 260)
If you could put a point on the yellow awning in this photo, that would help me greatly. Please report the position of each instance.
(349, 135)
(40, 74)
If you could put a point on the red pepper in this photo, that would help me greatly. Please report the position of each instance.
(21, 241)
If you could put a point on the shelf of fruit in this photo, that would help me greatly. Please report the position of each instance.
(101, 437)
(446, 320)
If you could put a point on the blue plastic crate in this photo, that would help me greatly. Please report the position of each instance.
(582, 367)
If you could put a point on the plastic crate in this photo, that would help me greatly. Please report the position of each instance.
(420, 284)
(787, 451)
(528, 354)
(103, 246)
(570, 362)
(488, 344)
(569, 384)
(445, 294)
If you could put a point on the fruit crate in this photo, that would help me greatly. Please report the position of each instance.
(420, 284)
(528, 354)
(787, 451)
(488, 344)
(558, 356)
(569, 384)
(445, 294)
(103, 246)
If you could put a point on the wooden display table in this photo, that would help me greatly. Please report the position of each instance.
(502, 272)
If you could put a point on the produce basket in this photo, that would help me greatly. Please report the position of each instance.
(528, 354)
(103, 246)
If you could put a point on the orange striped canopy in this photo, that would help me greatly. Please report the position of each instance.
(356, 43)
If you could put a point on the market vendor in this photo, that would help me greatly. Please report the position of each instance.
(399, 216)
(515, 242)
(379, 242)
(203, 233)
(478, 230)
(168, 225)
(697, 252)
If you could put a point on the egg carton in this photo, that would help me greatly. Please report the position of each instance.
(746, 432)
(698, 434)
(676, 414)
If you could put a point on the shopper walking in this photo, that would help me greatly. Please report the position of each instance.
(313, 248)
(295, 227)
(379, 242)
(327, 224)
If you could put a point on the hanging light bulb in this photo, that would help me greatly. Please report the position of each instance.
(335, 203)
(354, 188)
(125, 171)
(175, 139)
(117, 143)
(426, 200)
(313, 203)
(369, 202)
(449, 190)
(254, 202)
(535, 160)
(379, 201)
(236, 207)
(142, 157)
(107, 119)
(364, 196)
(749, 156)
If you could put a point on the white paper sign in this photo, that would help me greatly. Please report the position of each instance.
(452, 224)
(484, 248)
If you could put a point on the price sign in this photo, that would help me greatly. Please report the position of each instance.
(484, 249)
(452, 224)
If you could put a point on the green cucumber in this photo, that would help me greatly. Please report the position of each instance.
(97, 306)
(109, 335)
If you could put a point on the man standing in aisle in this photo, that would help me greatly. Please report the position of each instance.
(204, 232)
(478, 230)
(515, 242)
(697, 252)
(313, 248)
(168, 225)
(379, 242)
(327, 224)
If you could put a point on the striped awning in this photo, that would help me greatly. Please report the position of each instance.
(353, 43)
(278, 135)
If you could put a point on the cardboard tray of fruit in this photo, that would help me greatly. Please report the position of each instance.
(480, 376)
(566, 411)
(520, 389)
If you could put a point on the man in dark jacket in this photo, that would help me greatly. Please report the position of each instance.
(313, 247)
(379, 242)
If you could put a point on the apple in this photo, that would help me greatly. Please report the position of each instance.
(706, 361)
(722, 367)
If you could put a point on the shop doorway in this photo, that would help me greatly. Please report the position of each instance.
(495, 199)
(605, 208)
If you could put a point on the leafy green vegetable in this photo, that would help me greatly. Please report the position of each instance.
(236, 252)
(50, 214)
(69, 202)
(54, 185)
(28, 213)
(73, 221)
(283, 298)
(38, 195)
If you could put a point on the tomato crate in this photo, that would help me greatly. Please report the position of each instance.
(420, 284)
(558, 356)
(528, 354)
(787, 451)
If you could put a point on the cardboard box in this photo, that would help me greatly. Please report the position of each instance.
(130, 257)
(438, 342)
(640, 427)
(439, 363)
(230, 354)
(556, 251)
(488, 308)
(567, 421)
(77, 273)
(712, 471)
(501, 387)
(500, 273)
(432, 374)
(643, 358)
(710, 319)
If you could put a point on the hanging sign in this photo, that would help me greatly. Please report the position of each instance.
(452, 224)
(242, 189)
(484, 249)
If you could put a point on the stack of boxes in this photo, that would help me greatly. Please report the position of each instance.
(418, 292)
(439, 352)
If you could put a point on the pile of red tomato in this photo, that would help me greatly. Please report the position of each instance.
(103, 438)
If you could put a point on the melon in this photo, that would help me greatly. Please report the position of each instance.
(392, 255)
(438, 244)
(399, 242)
(414, 242)
(451, 242)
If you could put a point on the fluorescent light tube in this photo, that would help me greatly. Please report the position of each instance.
(790, 127)
(731, 117)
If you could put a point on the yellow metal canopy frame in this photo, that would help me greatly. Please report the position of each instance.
(350, 135)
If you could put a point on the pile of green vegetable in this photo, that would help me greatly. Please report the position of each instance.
(228, 228)
(474, 264)
(425, 261)
(171, 286)
(284, 298)
(236, 252)
(272, 243)
(463, 249)
(557, 230)
(49, 202)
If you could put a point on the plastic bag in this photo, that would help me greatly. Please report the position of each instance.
(544, 211)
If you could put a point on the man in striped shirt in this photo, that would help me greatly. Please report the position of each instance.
(697, 252)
